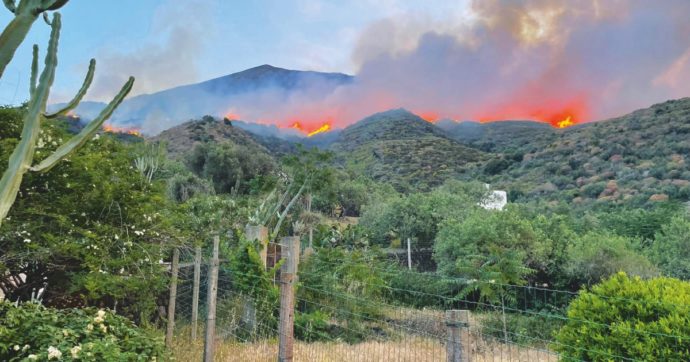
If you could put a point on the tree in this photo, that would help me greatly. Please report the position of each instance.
(231, 168)
(597, 255)
(493, 276)
(89, 232)
(21, 159)
(465, 244)
(671, 248)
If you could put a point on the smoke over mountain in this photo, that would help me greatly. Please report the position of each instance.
(553, 61)
(532, 59)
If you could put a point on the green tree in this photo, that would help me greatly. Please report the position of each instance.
(596, 256)
(671, 248)
(464, 244)
(89, 232)
(231, 168)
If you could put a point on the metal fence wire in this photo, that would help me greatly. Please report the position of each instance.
(259, 317)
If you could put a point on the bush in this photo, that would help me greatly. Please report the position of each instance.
(33, 332)
(671, 248)
(346, 286)
(419, 290)
(596, 256)
(525, 330)
(628, 318)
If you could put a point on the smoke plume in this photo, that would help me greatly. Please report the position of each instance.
(531, 59)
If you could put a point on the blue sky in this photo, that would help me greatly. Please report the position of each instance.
(226, 37)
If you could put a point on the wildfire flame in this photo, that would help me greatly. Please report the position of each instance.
(567, 122)
(430, 117)
(324, 128)
(114, 129)
(321, 129)
(232, 116)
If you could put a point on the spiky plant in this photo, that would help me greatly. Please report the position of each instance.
(21, 160)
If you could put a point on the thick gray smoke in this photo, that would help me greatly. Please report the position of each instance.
(544, 60)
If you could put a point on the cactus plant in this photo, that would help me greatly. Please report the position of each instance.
(21, 159)
(24, 16)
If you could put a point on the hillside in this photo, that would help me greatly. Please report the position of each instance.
(637, 158)
(159, 111)
(499, 136)
(401, 148)
(181, 139)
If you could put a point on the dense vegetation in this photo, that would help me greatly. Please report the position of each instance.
(93, 231)
(33, 332)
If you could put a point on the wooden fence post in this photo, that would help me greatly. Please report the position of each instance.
(210, 338)
(288, 276)
(260, 233)
(457, 348)
(195, 291)
(409, 255)
(174, 269)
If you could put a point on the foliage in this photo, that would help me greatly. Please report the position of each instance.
(21, 159)
(312, 327)
(596, 256)
(402, 149)
(628, 318)
(89, 229)
(32, 332)
(346, 285)
(488, 238)
(252, 286)
(231, 167)
(523, 329)
(418, 215)
(671, 248)
(351, 195)
(634, 160)
(417, 289)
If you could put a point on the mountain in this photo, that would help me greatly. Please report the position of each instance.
(498, 136)
(401, 148)
(158, 111)
(182, 138)
(635, 159)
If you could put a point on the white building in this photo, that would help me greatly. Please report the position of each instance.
(495, 200)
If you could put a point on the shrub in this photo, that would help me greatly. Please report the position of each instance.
(522, 329)
(628, 318)
(88, 334)
(596, 256)
(671, 248)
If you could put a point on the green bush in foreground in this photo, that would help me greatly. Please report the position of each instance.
(31, 332)
(629, 318)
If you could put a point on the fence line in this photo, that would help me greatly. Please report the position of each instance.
(253, 315)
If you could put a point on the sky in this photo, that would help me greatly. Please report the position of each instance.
(165, 43)
(546, 60)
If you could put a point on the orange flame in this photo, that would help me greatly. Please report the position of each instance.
(310, 131)
(430, 117)
(321, 129)
(232, 116)
(567, 122)
(113, 129)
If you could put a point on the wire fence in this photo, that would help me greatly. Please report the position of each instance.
(253, 322)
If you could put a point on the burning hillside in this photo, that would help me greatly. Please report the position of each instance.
(124, 130)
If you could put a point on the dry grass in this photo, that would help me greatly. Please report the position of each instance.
(408, 349)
